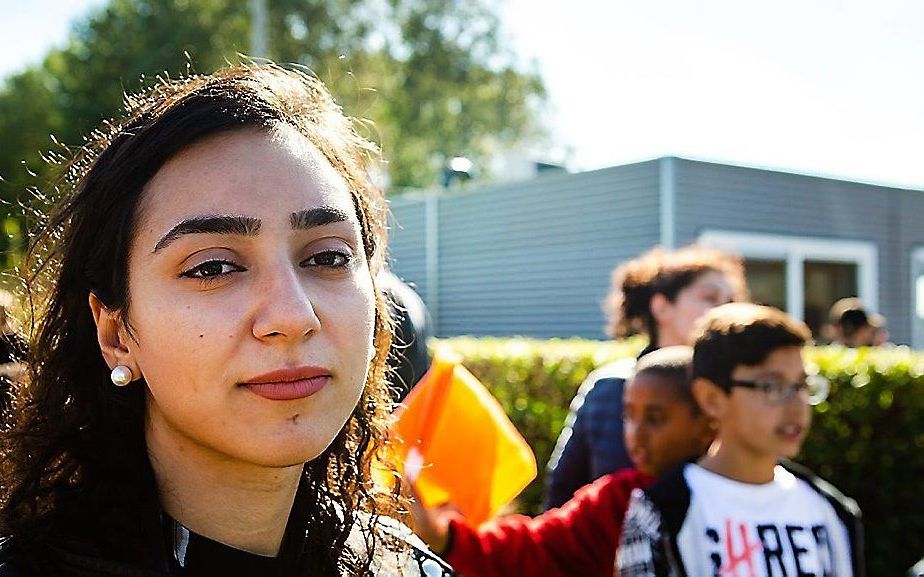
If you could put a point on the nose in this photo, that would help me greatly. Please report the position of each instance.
(285, 308)
(797, 407)
(630, 433)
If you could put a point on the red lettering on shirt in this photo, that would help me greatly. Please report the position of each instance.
(745, 555)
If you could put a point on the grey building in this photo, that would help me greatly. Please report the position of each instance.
(534, 258)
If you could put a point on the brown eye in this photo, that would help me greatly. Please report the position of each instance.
(329, 259)
(771, 388)
(655, 419)
(713, 299)
(212, 269)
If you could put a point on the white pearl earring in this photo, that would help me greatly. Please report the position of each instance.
(121, 375)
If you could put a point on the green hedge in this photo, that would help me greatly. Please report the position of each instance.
(867, 439)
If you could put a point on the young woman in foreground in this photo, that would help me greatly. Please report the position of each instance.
(207, 385)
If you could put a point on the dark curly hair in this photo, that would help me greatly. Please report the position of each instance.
(74, 458)
(660, 271)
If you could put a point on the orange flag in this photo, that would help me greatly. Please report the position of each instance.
(456, 434)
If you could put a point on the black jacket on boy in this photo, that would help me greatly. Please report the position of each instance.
(650, 546)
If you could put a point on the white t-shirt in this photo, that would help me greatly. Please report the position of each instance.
(781, 528)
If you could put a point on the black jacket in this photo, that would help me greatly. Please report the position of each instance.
(667, 502)
(408, 357)
(187, 554)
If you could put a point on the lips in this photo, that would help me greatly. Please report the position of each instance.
(639, 457)
(288, 384)
(791, 431)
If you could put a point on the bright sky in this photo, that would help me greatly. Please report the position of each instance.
(830, 87)
(28, 28)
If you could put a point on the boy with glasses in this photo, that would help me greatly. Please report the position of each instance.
(742, 510)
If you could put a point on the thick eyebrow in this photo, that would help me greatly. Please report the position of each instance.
(312, 217)
(211, 224)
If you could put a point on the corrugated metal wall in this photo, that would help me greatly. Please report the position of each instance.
(716, 196)
(529, 258)
(407, 241)
(534, 258)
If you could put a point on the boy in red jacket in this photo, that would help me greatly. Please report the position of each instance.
(663, 427)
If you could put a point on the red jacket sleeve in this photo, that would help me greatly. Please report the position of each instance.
(578, 539)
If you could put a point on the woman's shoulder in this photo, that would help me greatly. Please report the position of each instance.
(401, 553)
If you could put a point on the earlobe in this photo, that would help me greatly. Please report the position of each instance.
(109, 334)
(659, 306)
(709, 398)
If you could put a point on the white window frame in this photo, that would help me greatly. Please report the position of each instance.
(794, 250)
(917, 323)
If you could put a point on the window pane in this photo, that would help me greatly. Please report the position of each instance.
(767, 281)
(917, 328)
(919, 297)
(825, 284)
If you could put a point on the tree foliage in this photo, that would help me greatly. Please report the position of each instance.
(432, 74)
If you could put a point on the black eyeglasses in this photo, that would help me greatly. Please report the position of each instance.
(816, 388)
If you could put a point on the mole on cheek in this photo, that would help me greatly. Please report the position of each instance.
(200, 336)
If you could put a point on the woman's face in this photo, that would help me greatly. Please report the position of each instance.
(251, 301)
(676, 320)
